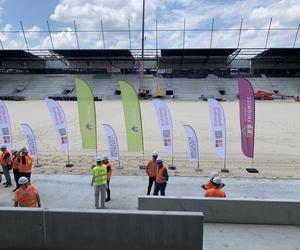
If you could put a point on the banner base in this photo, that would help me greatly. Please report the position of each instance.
(252, 170)
(198, 169)
(38, 165)
(119, 167)
(142, 167)
(69, 165)
(224, 170)
(172, 167)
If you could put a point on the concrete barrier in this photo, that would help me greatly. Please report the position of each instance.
(99, 229)
(245, 211)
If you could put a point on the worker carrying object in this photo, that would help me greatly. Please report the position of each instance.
(109, 173)
(210, 183)
(216, 191)
(151, 171)
(26, 195)
(99, 181)
(161, 177)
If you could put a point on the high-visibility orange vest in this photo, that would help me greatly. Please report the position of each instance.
(150, 169)
(2, 161)
(27, 167)
(16, 162)
(213, 192)
(28, 200)
(210, 185)
(160, 178)
(109, 170)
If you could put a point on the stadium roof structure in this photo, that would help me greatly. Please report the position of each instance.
(196, 52)
(94, 54)
(8, 55)
(277, 58)
(195, 58)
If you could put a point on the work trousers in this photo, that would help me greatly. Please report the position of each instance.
(151, 181)
(6, 174)
(160, 187)
(100, 189)
(27, 175)
(16, 176)
(108, 190)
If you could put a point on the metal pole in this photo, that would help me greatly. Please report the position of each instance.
(212, 32)
(183, 36)
(241, 25)
(143, 30)
(296, 35)
(76, 34)
(268, 33)
(102, 30)
(129, 34)
(50, 34)
(24, 35)
(156, 42)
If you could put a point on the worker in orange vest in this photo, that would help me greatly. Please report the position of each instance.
(210, 183)
(26, 164)
(216, 191)
(27, 195)
(151, 171)
(109, 172)
(16, 161)
(6, 164)
(161, 177)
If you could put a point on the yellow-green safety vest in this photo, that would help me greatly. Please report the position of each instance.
(100, 174)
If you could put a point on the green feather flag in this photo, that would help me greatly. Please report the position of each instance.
(87, 114)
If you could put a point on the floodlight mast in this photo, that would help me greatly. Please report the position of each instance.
(142, 59)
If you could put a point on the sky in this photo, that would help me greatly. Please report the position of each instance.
(171, 16)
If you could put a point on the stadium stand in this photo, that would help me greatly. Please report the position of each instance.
(183, 74)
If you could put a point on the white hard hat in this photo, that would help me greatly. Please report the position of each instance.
(25, 150)
(99, 158)
(213, 174)
(3, 146)
(104, 157)
(23, 180)
(14, 151)
(217, 180)
(154, 153)
(159, 159)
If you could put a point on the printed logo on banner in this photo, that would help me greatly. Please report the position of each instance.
(193, 148)
(248, 130)
(167, 137)
(219, 138)
(112, 146)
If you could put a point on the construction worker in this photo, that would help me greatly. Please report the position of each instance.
(26, 195)
(216, 191)
(161, 177)
(151, 171)
(16, 161)
(109, 172)
(25, 164)
(99, 181)
(210, 183)
(6, 164)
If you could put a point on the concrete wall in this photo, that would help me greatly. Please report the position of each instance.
(99, 229)
(246, 211)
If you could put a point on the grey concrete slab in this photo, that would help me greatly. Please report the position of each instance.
(229, 210)
(74, 191)
(250, 237)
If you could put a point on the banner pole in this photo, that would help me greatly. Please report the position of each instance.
(68, 157)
